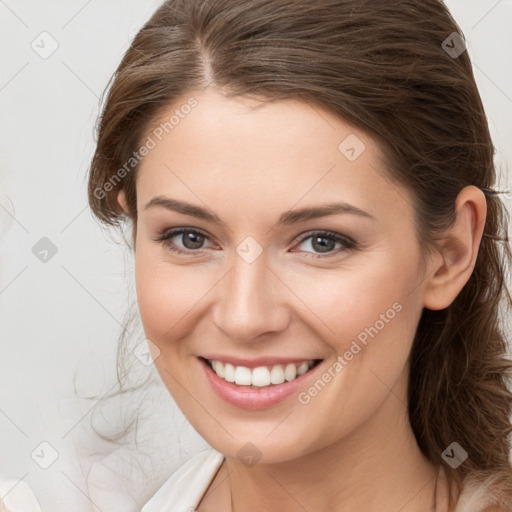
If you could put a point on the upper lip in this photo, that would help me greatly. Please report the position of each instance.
(256, 362)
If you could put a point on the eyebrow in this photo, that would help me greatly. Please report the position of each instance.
(290, 217)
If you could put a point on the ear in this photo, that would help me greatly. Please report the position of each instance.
(121, 199)
(453, 264)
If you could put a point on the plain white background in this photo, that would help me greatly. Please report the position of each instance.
(60, 319)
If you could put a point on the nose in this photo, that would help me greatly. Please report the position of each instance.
(251, 301)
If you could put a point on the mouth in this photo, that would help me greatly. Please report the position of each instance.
(260, 386)
(261, 376)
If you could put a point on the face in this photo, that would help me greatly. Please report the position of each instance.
(310, 310)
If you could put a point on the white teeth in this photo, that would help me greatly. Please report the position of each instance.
(242, 376)
(302, 369)
(229, 371)
(219, 369)
(262, 375)
(290, 372)
(277, 374)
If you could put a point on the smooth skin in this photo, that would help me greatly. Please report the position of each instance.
(351, 447)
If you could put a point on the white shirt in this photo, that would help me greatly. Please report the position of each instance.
(183, 491)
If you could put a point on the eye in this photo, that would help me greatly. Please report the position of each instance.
(324, 242)
(192, 240)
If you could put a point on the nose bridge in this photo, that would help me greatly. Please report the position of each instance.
(249, 303)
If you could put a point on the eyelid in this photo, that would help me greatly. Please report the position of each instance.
(319, 232)
(169, 233)
(347, 242)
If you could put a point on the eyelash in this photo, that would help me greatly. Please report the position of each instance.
(347, 243)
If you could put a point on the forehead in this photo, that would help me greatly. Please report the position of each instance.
(249, 155)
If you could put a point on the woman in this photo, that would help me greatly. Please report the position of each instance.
(319, 253)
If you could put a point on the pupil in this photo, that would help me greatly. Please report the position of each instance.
(194, 239)
(322, 247)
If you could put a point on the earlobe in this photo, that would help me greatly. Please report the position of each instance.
(121, 199)
(453, 265)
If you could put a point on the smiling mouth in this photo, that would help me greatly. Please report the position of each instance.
(261, 376)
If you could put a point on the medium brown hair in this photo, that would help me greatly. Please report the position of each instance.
(383, 67)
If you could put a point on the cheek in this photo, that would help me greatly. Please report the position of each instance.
(369, 320)
(169, 296)
(168, 299)
(350, 300)
(368, 317)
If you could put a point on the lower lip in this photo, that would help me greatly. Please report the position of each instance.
(247, 397)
